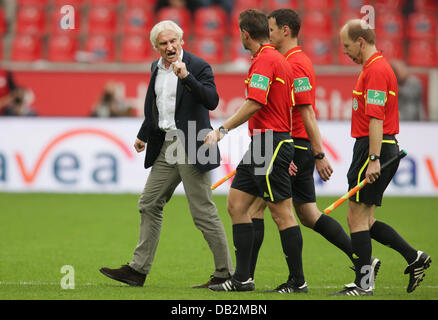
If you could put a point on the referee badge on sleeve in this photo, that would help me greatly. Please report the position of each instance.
(376, 97)
(259, 81)
(355, 104)
(302, 85)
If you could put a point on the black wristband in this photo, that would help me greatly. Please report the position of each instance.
(223, 130)
(319, 156)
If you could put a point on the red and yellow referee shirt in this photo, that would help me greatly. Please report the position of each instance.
(375, 95)
(269, 83)
(304, 88)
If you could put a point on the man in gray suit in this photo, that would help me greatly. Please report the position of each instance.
(181, 93)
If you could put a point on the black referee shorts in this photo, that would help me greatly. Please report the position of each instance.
(268, 179)
(303, 184)
(372, 193)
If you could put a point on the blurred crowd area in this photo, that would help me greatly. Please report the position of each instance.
(113, 35)
(117, 31)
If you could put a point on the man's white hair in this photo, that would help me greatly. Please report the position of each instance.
(162, 26)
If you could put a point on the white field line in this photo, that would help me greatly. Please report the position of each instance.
(35, 283)
(88, 284)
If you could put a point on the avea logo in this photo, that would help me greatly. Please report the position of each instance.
(407, 173)
(67, 164)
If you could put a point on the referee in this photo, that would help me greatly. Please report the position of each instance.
(284, 26)
(267, 109)
(374, 124)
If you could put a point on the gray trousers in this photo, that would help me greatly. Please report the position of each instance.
(161, 183)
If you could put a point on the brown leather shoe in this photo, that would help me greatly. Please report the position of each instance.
(126, 275)
(213, 280)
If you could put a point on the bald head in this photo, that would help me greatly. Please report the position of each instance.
(356, 28)
(358, 40)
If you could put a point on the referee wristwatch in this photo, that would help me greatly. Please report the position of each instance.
(374, 157)
(319, 156)
(223, 130)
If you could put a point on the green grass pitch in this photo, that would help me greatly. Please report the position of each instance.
(40, 233)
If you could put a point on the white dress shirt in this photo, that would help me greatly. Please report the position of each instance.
(165, 90)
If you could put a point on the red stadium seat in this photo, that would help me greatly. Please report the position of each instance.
(390, 25)
(319, 5)
(135, 48)
(391, 49)
(180, 16)
(319, 50)
(422, 25)
(241, 5)
(353, 5)
(55, 19)
(393, 5)
(348, 15)
(41, 3)
(210, 22)
(3, 22)
(147, 4)
(422, 53)
(234, 23)
(317, 23)
(74, 3)
(30, 20)
(103, 3)
(209, 49)
(26, 48)
(137, 21)
(237, 51)
(101, 47)
(102, 20)
(426, 5)
(62, 48)
(278, 4)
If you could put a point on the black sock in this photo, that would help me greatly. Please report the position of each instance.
(243, 238)
(330, 229)
(259, 233)
(387, 236)
(361, 244)
(292, 243)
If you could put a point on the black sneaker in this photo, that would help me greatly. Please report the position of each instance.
(352, 290)
(213, 280)
(234, 285)
(375, 266)
(290, 287)
(416, 270)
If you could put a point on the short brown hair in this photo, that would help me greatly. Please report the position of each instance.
(287, 17)
(356, 30)
(255, 23)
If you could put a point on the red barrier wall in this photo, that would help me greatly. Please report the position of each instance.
(74, 93)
